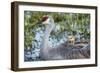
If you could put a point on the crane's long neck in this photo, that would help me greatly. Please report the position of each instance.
(46, 35)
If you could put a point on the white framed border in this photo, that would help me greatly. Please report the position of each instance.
(34, 64)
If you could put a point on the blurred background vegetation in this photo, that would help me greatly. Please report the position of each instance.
(76, 24)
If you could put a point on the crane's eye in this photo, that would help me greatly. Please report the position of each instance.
(44, 18)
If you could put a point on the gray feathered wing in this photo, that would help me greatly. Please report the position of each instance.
(65, 51)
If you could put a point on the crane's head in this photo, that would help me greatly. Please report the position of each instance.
(46, 19)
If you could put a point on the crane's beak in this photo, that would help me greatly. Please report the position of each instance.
(39, 22)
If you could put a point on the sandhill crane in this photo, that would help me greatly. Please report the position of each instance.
(60, 53)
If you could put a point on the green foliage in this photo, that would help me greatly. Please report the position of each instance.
(72, 22)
